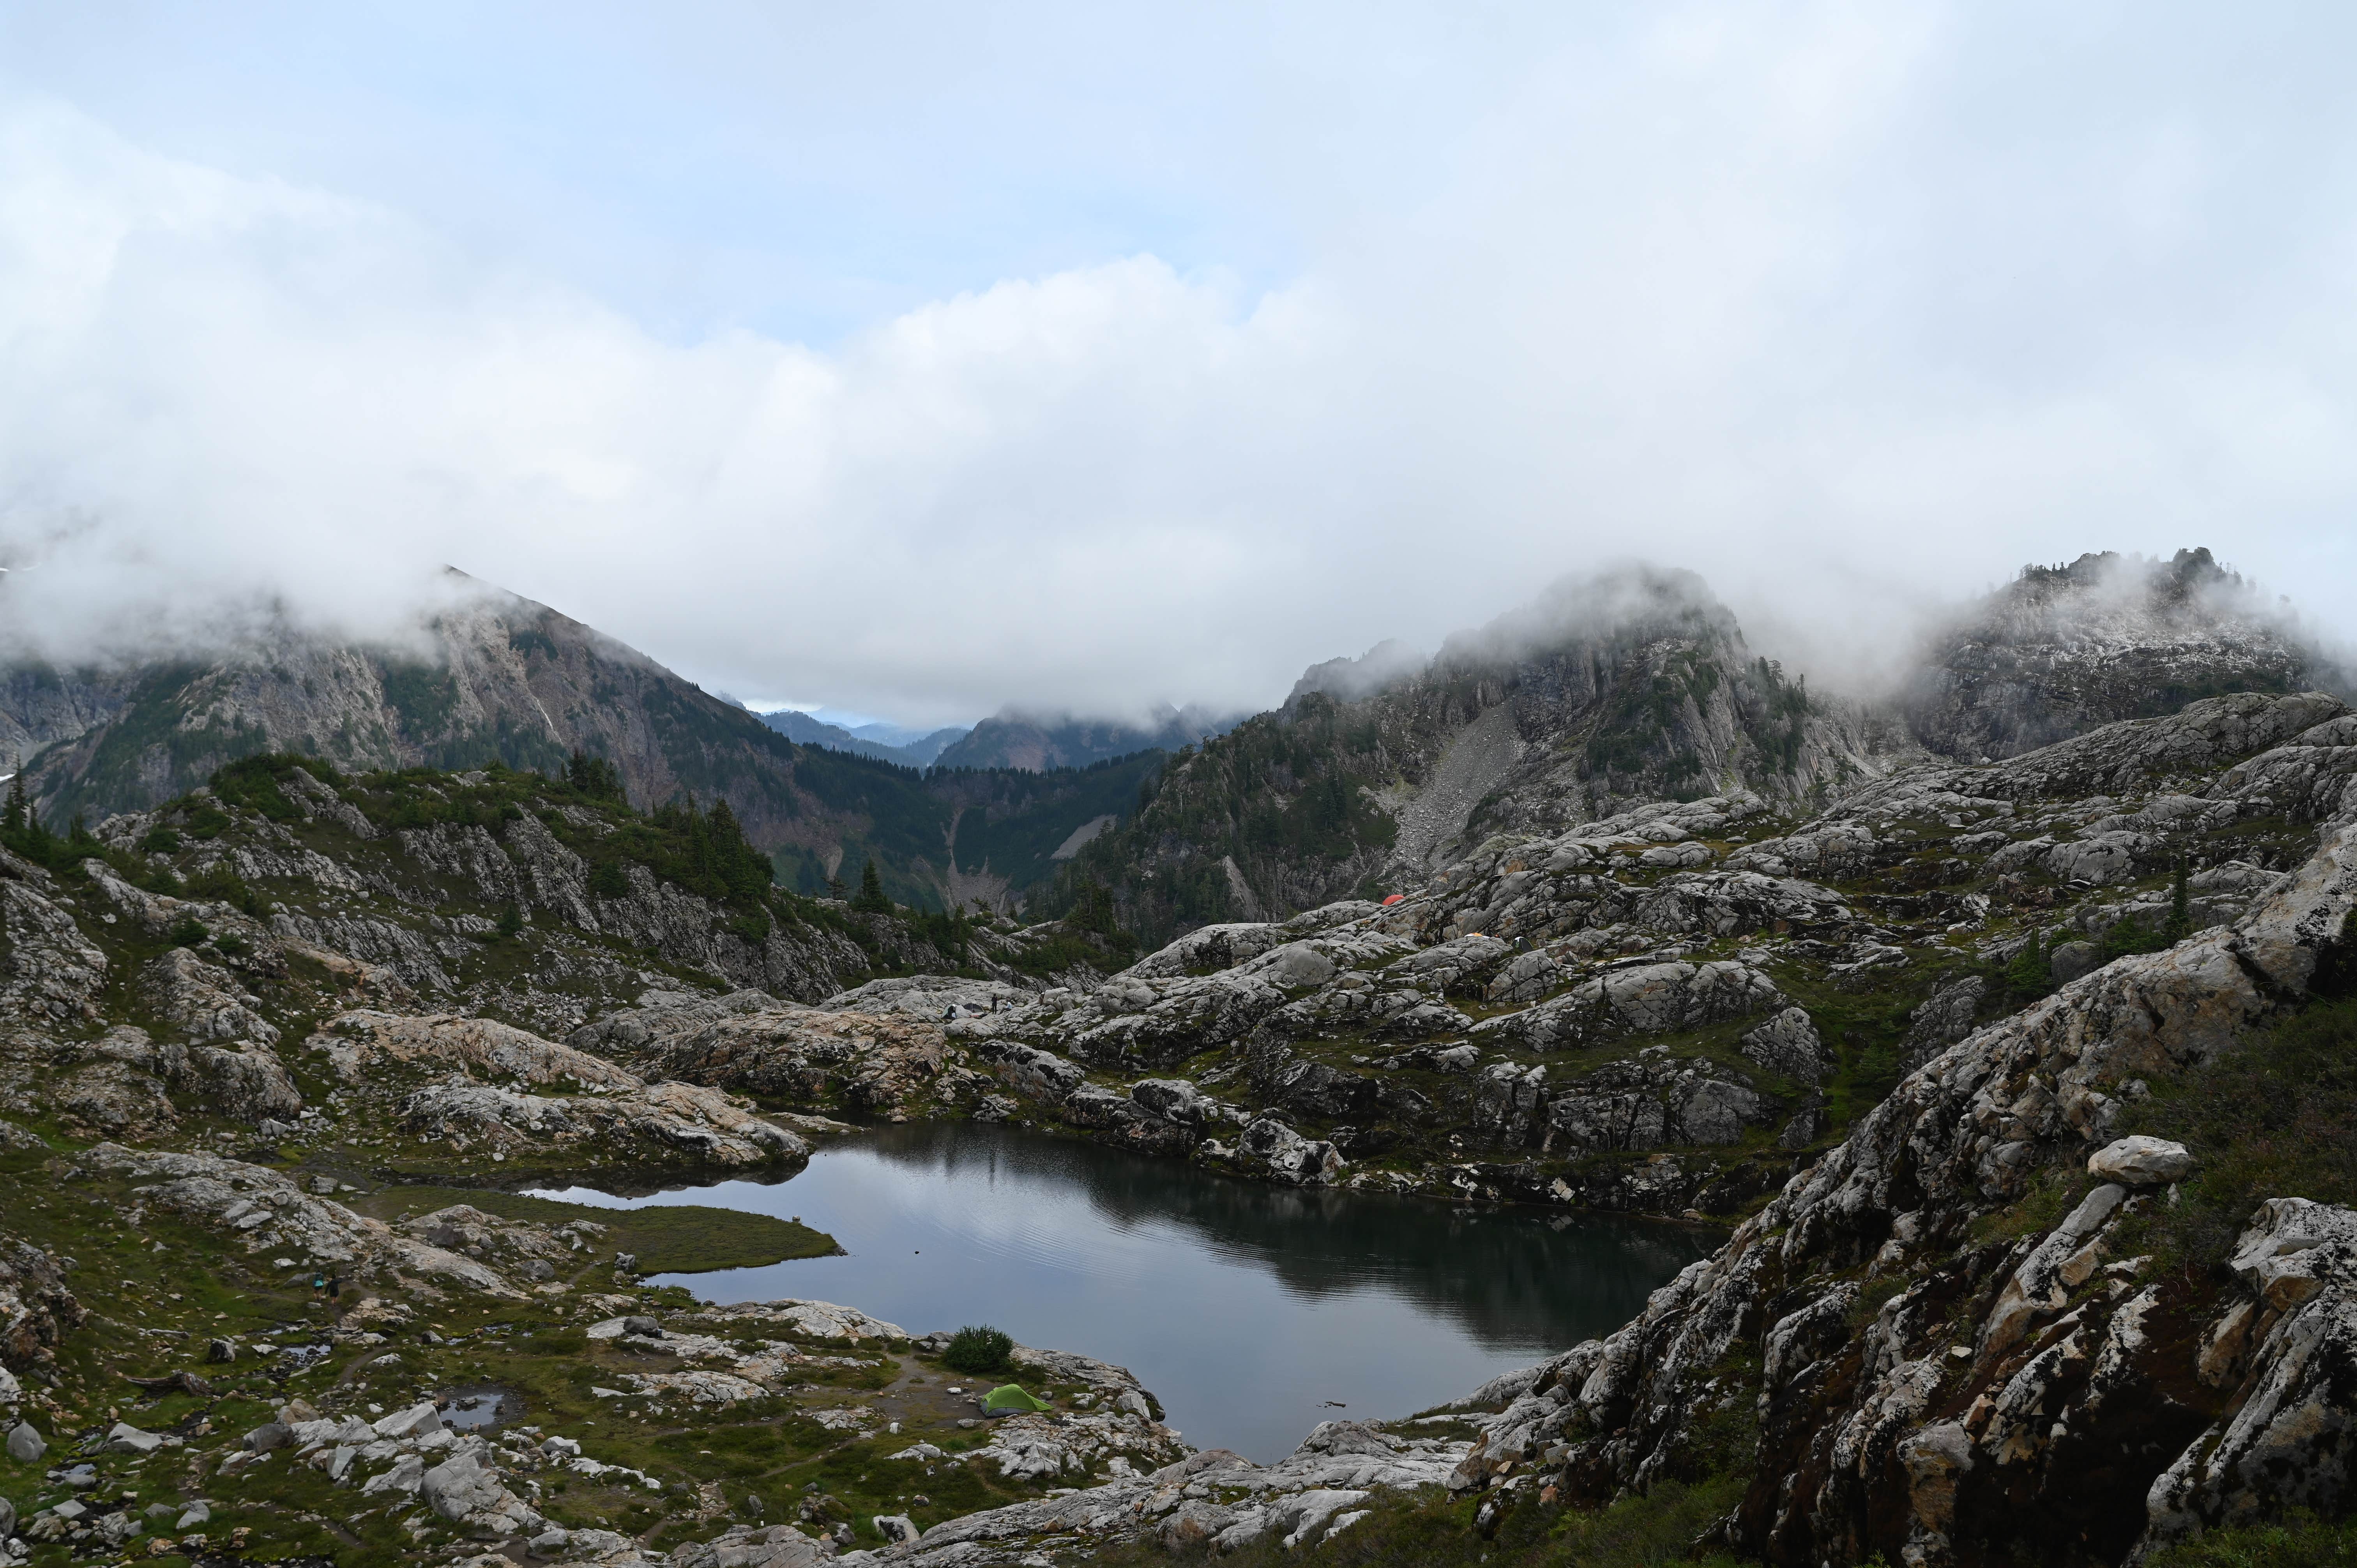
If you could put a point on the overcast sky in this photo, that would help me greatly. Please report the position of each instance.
(913, 360)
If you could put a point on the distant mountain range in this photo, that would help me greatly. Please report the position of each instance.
(495, 677)
(1012, 737)
(1035, 742)
(1601, 693)
(886, 743)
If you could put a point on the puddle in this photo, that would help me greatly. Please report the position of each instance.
(477, 1409)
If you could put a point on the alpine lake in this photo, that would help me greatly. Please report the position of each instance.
(1252, 1312)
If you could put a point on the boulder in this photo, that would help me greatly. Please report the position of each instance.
(1193, 1523)
(1303, 1162)
(26, 1446)
(125, 1438)
(2069, 960)
(2140, 1161)
(465, 1490)
(1788, 1045)
(415, 1422)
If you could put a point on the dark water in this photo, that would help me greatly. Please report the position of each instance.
(1244, 1308)
(480, 1409)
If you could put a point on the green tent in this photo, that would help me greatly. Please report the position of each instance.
(1010, 1397)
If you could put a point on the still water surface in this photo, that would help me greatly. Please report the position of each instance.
(1245, 1308)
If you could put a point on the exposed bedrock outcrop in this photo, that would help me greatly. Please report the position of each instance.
(1938, 1398)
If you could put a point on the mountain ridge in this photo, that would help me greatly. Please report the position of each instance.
(1035, 742)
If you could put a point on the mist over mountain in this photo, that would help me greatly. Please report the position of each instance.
(1014, 738)
(494, 679)
(1620, 686)
(1637, 684)
(2105, 637)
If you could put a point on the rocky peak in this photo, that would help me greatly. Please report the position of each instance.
(2064, 648)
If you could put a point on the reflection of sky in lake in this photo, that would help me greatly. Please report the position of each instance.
(1244, 1308)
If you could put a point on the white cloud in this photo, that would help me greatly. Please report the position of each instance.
(1843, 309)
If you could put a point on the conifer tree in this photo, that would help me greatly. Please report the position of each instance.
(871, 900)
(2029, 970)
(2181, 908)
(18, 814)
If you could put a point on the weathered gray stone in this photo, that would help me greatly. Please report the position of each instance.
(2141, 1162)
(2069, 960)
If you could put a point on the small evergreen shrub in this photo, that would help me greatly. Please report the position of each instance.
(978, 1350)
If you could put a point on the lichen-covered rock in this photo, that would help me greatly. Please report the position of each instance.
(48, 968)
(2063, 1397)
(1941, 1019)
(881, 1062)
(200, 1000)
(2291, 1441)
(356, 1042)
(670, 1123)
(259, 1209)
(2141, 1162)
(1647, 999)
(37, 1309)
(1288, 1156)
(1789, 1046)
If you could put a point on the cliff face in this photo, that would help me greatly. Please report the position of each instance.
(1602, 694)
(2064, 648)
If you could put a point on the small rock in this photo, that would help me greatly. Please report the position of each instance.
(2140, 1161)
(270, 1434)
(195, 1514)
(129, 1439)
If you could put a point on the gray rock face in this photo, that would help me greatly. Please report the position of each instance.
(2064, 1386)
(1289, 1156)
(1789, 1046)
(1650, 999)
(202, 1001)
(2063, 650)
(1650, 1103)
(871, 1060)
(669, 1123)
(1943, 1019)
(48, 968)
(2291, 1443)
(466, 1491)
